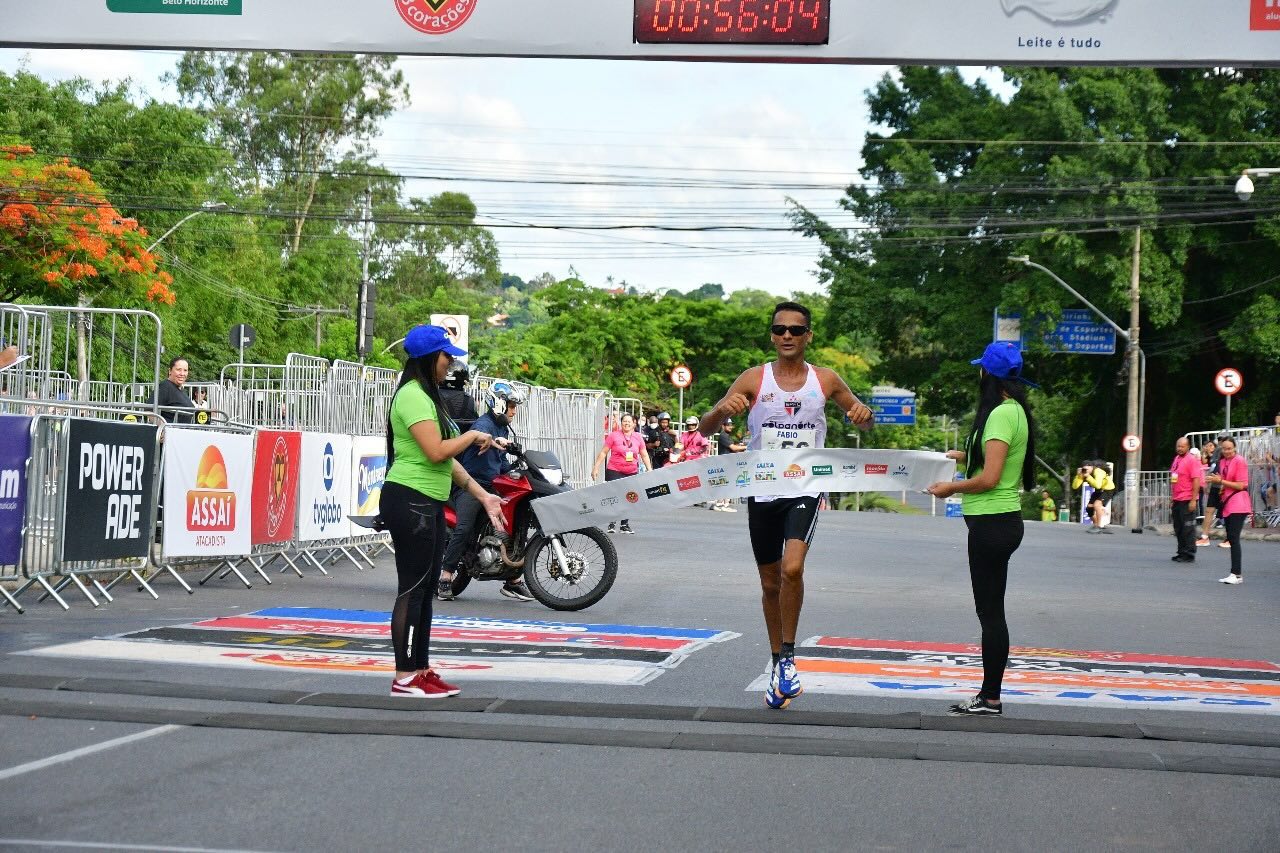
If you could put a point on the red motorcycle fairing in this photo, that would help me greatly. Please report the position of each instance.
(511, 490)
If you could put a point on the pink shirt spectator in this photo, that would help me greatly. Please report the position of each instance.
(624, 451)
(1183, 476)
(695, 446)
(1235, 502)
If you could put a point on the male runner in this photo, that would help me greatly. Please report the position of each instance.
(786, 396)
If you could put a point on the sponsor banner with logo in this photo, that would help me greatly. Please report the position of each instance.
(15, 449)
(108, 484)
(369, 471)
(276, 464)
(762, 473)
(975, 32)
(1038, 675)
(324, 498)
(208, 489)
(359, 642)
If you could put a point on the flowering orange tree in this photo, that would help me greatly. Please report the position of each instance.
(61, 239)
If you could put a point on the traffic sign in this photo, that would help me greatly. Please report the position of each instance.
(243, 337)
(1078, 332)
(893, 406)
(1229, 381)
(1131, 444)
(681, 376)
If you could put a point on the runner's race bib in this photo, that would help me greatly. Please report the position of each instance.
(775, 438)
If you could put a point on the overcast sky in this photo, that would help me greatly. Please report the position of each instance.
(681, 123)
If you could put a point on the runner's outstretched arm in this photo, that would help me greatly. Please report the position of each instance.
(741, 395)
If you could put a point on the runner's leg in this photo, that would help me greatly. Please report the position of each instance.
(791, 592)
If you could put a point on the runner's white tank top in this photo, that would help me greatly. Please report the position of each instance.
(787, 420)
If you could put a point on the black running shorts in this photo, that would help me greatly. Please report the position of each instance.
(1104, 496)
(772, 523)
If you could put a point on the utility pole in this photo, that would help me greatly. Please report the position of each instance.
(318, 311)
(367, 295)
(1133, 458)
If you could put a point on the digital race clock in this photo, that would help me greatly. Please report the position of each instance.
(733, 21)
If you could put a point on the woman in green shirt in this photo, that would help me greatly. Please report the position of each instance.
(422, 443)
(1001, 453)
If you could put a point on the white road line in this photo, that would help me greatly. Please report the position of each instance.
(64, 757)
(93, 845)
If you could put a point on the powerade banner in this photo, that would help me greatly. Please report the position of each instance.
(325, 497)
(15, 448)
(109, 488)
(369, 466)
(208, 488)
(762, 473)
(276, 465)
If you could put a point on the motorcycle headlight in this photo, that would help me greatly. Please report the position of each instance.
(554, 476)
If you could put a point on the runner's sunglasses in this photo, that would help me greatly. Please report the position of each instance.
(796, 331)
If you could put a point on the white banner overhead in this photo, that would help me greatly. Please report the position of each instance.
(773, 473)
(978, 32)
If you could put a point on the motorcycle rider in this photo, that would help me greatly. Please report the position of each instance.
(660, 441)
(483, 468)
(453, 393)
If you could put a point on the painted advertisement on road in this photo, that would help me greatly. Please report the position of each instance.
(947, 671)
(462, 647)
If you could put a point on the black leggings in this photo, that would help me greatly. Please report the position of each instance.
(992, 541)
(416, 524)
(1235, 524)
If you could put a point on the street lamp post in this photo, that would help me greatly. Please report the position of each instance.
(1244, 186)
(1137, 369)
(206, 207)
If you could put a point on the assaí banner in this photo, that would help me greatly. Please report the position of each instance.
(325, 496)
(208, 486)
(276, 466)
(765, 473)
(369, 466)
(108, 485)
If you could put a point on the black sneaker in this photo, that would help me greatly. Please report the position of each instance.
(975, 707)
(626, 528)
(444, 589)
(516, 590)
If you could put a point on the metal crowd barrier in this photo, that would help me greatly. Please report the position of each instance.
(1260, 448)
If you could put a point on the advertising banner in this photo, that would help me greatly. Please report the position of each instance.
(277, 460)
(15, 449)
(762, 473)
(369, 467)
(324, 499)
(881, 32)
(108, 486)
(208, 490)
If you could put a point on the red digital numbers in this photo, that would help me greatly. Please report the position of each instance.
(800, 22)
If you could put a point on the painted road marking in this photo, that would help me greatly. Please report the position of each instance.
(868, 667)
(7, 843)
(72, 755)
(377, 616)
(368, 629)
(617, 673)
(358, 642)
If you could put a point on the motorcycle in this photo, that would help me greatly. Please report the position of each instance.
(566, 571)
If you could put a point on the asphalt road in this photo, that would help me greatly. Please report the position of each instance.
(140, 754)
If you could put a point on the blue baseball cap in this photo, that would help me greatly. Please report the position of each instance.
(424, 340)
(1003, 360)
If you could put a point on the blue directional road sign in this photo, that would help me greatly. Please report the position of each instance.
(1078, 332)
(894, 409)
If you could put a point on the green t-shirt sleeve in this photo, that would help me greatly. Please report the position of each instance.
(1002, 424)
(414, 406)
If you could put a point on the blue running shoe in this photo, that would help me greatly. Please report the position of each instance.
(772, 698)
(786, 680)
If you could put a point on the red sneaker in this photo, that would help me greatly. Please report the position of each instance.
(434, 681)
(422, 687)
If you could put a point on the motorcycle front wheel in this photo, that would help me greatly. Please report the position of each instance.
(591, 567)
